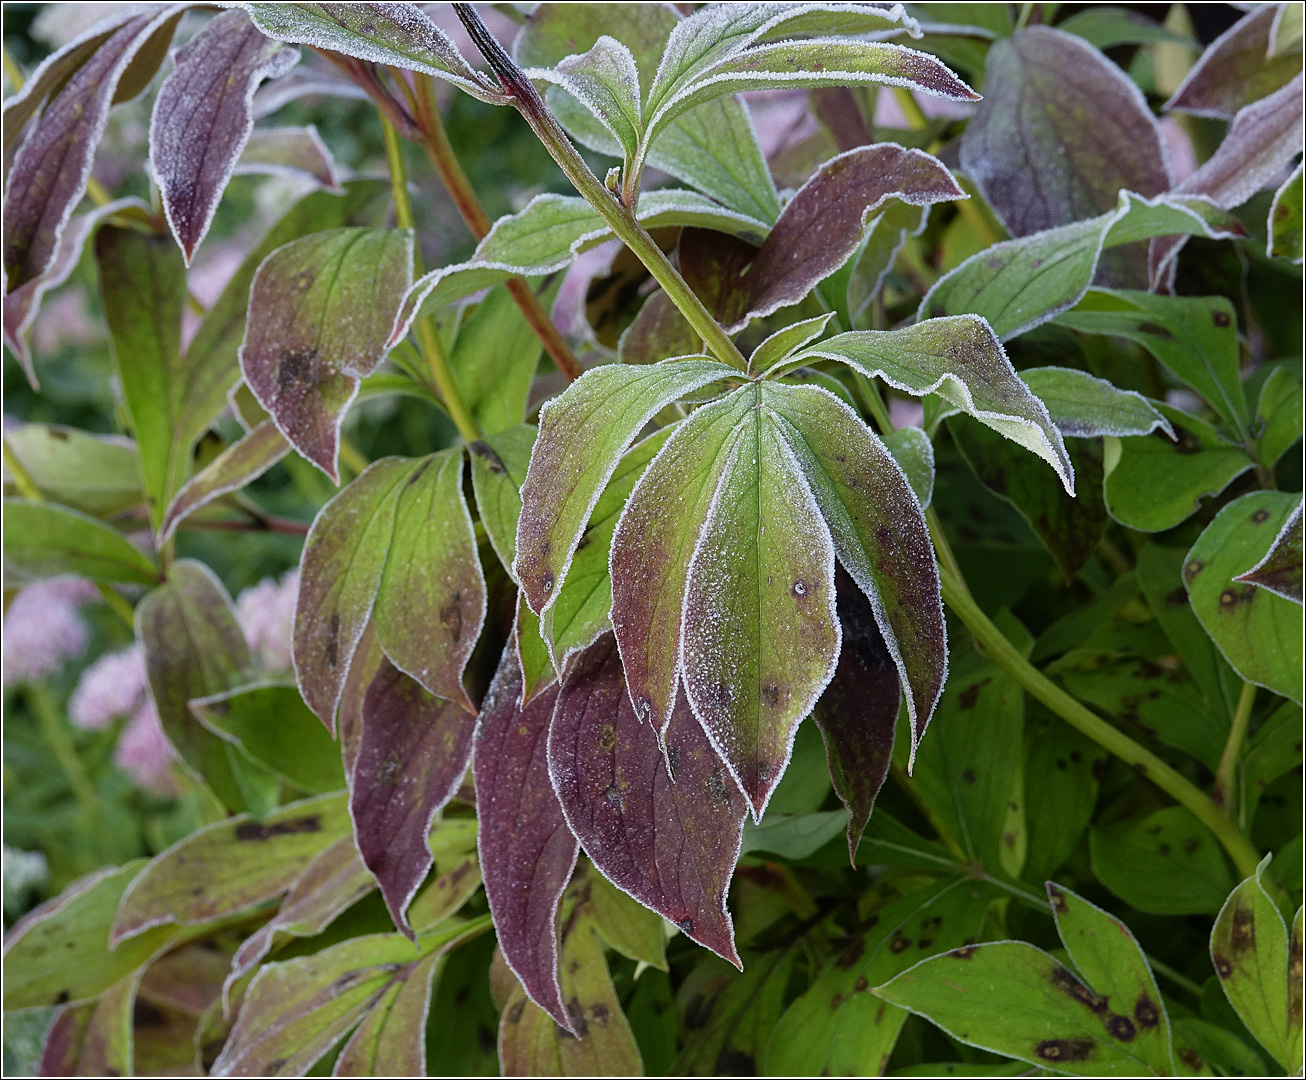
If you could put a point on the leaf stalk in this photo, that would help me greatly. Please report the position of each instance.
(1225, 792)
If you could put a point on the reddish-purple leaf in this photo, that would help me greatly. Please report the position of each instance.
(1281, 570)
(526, 850)
(714, 265)
(669, 839)
(858, 710)
(94, 1039)
(412, 755)
(366, 662)
(836, 110)
(295, 152)
(203, 116)
(51, 169)
(321, 310)
(658, 332)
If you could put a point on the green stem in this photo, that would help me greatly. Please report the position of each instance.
(1170, 975)
(618, 217)
(1026, 13)
(352, 458)
(1225, 792)
(1147, 764)
(394, 159)
(62, 748)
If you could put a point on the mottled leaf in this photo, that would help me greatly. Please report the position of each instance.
(526, 850)
(1281, 570)
(493, 361)
(94, 1039)
(659, 817)
(1110, 960)
(1083, 406)
(1166, 863)
(499, 464)
(659, 332)
(53, 165)
(230, 866)
(294, 152)
(42, 540)
(1285, 222)
(321, 311)
(1259, 633)
(391, 1040)
(272, 725)
(1237, 68)
(203, 116)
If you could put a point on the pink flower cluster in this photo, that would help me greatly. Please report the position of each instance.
(266, 613)
(43, 628)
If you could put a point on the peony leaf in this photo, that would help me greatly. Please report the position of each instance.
(493, 361)
(94, 1039)
(659, 332)
(391, 1040)
(203, 116)
(295, 152)
(1285, 223)
(661, 821)
(606, 81)
(1083, 406)
(499, 464)
(912, 450)
(43, 540)
(96, 474)
(1281, 570)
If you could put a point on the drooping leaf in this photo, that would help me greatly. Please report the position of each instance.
(230, 866)
(271, 724)
(96, 474)
(660, 819)
(1285, 222)
(1281, 570)
(1258, 967)
(493, 362)
(1166, 863)
(858, 710)
(203, 116)
(1019, 284)
(527, 852)
(413, 754)
(1084, 406)
(1258, 632)
(194, 648)
(499, 464)
(93, 1039)
(51, 169)
(296, 152)
(321, 311)
(1278, 415)
(1109, 958)
(1025, 146)
(960, 359)
(43, 540)
(1236, 69)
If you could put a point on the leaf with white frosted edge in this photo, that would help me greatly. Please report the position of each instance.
(1020, 284)
(1237, 68)
(1281, 570)
(652, 547)
(391, 1040)
(526, 850)
(499, 464)
(431, 600)
(320, 314)
(44, 540)
(960, 359)
(783, 342)
(339, 573)
(301, 83)
(400, 35)
(760, 637)
(583, 434)
(289, 151)
(661, 821)
(53, 165)
(241, 463)
(606, 81)
(532, 653)
(1284, 226)
(879, 534)
(203, 116)
(912, 450)
(885, 238)
(1083, 406)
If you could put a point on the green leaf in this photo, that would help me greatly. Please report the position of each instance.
(1083, 406)
(1285, 222)
(961, 360)
(1258, 632)
(499, 464)
(1153, 482)
(1109, 958)
(1280, 572)
(42, 541)
(867, 270)
(275, 728)
(391, 1040)
(96, 1038)
(912, 450)
(1062, 776)
(1020, 284)
(1278, 415)
(96, 474)
(230, 866)
(1274, 750)
(493, 361)
(794, 836)
(980, 20)
(1286, 31)
(1259, 969)
(778, 346)
(606, 81)
(728, 1017)
(1166, 863)
(455, 877)
(629, 927)
(1107, 27)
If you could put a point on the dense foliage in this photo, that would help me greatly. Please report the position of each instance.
(931, 374)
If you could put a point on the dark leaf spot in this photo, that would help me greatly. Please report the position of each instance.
(1261, 516)
(1156, 331)
(1064, 1049)
(613, 796)
(1120, 1027)
(1191, 1058)
(1146, 1012)
(899, 944)
(968, 775)
(1223, 967)
(252, 830)
(1220, 318)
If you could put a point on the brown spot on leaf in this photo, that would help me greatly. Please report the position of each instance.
(1242, 935)
(389, 771)
(1146, 1012)
(296, 370)
(1064, 1049)
(965, 952)
(252, 830)
(607, 737)
(968, 697)
(968, 775)
(1120, 1027)
(1058, 900)
(1223, 967)
(771, 695)
(1220, 318)
(1191, 1058)
(899, 944)
(451, 615)
(1156, 331)
(1260, 516)
(1233, 598)
(836, 1001)
(333, 640)
(1066, 982)
(613, 796)
(716, 788)
(861, 985)
(486, 453)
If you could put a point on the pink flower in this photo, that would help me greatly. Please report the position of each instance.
(113, 686)
(266, 613)
(145, 754)
(43, 628)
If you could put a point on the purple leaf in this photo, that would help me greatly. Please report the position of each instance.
(94, 1039)
(51, 169)
(858, 710)
(658, 333)
(321, 310)
(295, 152)
(366, 662)
(412, 755)
(203, 117)
(672, 844)
(1281, 570)
(526, 850)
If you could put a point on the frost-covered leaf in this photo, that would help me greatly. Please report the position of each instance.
(1281, 570)
(583, 434)
(912, 450)
(960, 359)
(526, 850)
(203, 116)
(93, 1039)
(661, 820)
(1259, 633)
(1285, 222)
(401, 35)
(51, 169)
(391, 1040)
(493, 362)
(96, 474)
(499, 464)
(412, 755)
(1237, 68)
(456, 876)
(858, 710)
(1026, 149)
(879, 535)
(42, 540)
(783, 342)
(320, 314)
(230, 866)
(606, 81)
(1019, 284)
(870, 266)
(295, 152)
(1286, 30)
(1083, 406)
